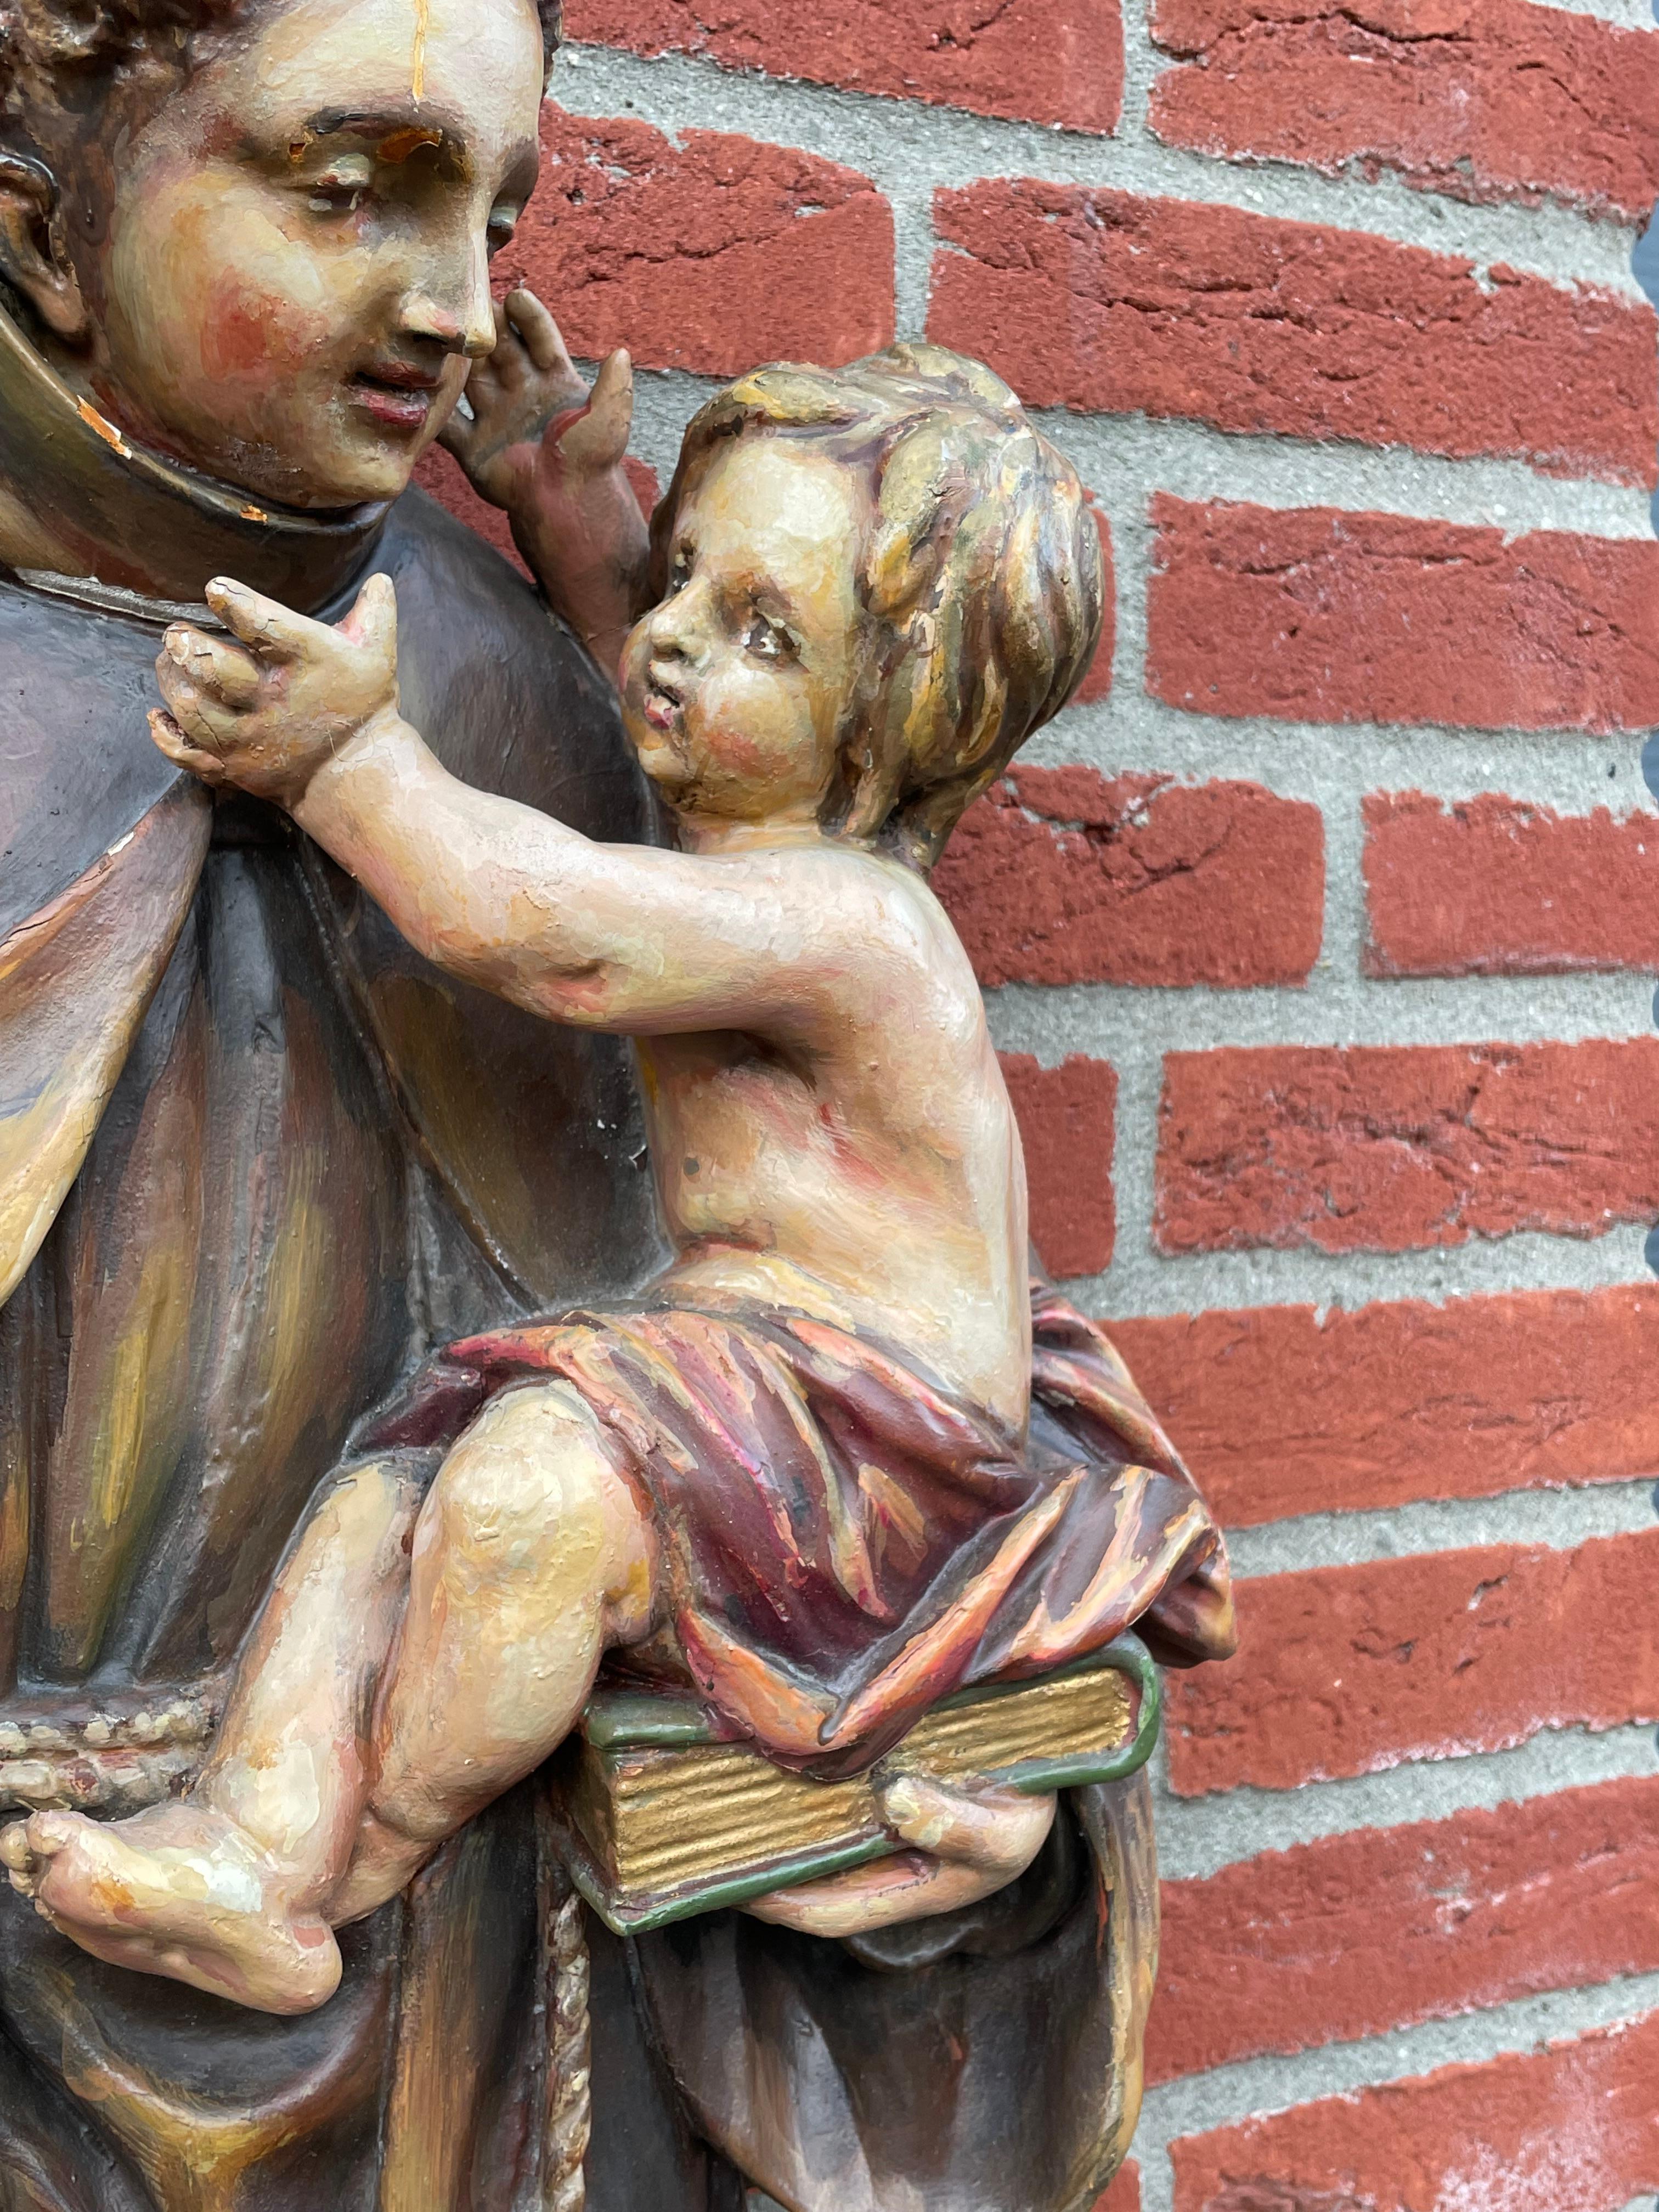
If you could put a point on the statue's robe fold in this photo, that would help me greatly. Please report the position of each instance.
(842, 1540)
(256, 1162)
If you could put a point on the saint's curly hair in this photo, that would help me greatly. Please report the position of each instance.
(981, 575)
(58, 56)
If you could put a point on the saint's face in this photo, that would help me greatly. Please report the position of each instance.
(298, 263)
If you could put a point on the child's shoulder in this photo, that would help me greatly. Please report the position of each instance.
(890, 916)
(872, 877)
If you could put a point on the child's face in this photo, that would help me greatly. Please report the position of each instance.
(735, 687)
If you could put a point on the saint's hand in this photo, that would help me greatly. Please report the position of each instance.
(267, 712)
(964, 1844)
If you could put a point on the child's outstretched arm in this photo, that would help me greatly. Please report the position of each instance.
(536, 441)
(615, 937)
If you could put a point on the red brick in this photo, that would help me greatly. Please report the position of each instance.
(1348, 1670)
(1284, 1410)
(1391, 1148)
(1483, 100)
(1066, 1119)
(1570, 2128)
(1123, 2194)
(1036, 61)
(1061, 876)
(1102, 300)
(708, 253)
(1367, 1932)
(1492, 886)
(1312, 614)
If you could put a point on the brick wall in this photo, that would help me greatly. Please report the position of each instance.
(1320, 938)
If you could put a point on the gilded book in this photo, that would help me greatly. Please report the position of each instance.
(663, 1819)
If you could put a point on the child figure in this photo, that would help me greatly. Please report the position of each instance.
(805, 1474)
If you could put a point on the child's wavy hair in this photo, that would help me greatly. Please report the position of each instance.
(981, 575)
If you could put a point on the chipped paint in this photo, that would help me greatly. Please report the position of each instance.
(106, 431)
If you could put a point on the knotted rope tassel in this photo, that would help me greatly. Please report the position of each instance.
(568, 2106)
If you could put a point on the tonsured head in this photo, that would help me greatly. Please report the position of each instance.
(875, 585)
(256, 232)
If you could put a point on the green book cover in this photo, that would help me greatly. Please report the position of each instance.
(662, 1818)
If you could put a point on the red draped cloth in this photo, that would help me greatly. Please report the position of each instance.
(844, 1541)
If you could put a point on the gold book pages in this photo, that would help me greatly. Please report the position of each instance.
(661, 1819)
(660, 1827)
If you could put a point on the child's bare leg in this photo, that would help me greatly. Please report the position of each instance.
(225, 1888)
(531, 1556)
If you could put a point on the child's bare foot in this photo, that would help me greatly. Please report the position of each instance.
(178, 1891)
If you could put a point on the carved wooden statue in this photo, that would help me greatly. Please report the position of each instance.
(376, 1358)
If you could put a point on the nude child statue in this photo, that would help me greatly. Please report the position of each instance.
(798, 1472)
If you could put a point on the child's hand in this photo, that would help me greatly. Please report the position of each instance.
(966, 1843)
(528, 395)
(266, 715)
(538, 443)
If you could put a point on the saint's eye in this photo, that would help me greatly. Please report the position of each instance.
(765, 640)
(500, 229)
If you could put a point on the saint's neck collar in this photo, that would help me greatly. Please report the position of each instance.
(150, 527)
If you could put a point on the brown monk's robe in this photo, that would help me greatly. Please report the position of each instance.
(257, 1162)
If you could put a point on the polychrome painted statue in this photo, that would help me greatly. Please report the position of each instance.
(874, 586)
(294, 1225)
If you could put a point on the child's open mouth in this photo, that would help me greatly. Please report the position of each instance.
(663, 705)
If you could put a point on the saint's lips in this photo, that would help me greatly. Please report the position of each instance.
(398, 393)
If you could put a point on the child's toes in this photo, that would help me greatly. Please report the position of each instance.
(17, 1857)
(52, 1833)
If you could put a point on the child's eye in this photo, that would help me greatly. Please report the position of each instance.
(679, 573)
(765, 640)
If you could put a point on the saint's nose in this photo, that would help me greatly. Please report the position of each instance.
(461, 315)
